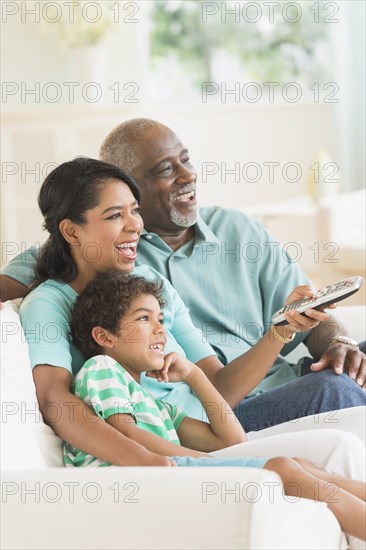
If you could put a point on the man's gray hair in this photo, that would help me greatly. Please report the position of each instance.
(117, 148)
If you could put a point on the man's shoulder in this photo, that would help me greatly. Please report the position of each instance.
(222, 220)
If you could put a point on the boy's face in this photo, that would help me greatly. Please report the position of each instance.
(141, 341)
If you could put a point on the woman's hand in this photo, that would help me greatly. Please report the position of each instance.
(302, 322)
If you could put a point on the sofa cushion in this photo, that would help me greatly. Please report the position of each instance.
(27, 442)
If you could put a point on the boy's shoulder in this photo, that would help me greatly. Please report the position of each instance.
(102, 367)
(100, 362)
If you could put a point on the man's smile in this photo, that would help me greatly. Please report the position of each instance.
(185, 195)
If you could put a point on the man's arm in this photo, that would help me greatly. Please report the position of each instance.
(10, 289)
(18, 273)
(319, 339)
(277, 276)
(76, 423)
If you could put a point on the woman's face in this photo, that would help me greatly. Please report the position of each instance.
(109, 238)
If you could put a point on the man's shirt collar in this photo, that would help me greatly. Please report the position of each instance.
(202, 234)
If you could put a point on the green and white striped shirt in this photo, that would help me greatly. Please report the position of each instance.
(107, 387)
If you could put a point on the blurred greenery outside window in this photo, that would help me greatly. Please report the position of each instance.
(191, 45)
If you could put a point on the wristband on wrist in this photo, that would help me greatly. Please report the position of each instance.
(344, 340)
(280, 338)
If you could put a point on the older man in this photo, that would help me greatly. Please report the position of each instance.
(232, 276)
(231, 294)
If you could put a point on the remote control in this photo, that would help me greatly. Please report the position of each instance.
(324, 297)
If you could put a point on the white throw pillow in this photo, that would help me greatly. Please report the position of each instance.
(27, 442)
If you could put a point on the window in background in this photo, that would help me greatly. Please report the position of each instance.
(194, 42)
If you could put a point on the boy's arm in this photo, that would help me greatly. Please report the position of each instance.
(125, 424)
(224, 428)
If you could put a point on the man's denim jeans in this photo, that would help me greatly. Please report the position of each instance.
(312, 393)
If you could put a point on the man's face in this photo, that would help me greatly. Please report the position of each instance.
(167, 181)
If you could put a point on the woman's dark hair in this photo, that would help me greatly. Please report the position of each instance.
(103, 303)
(69, 191)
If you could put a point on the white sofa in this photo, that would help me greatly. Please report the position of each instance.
(47, 506)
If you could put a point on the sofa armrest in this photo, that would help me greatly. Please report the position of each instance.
(354, 320)
(162, 508)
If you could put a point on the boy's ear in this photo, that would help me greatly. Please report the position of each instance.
(103, 337)
(69, 231)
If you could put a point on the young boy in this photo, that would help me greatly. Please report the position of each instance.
(117, 323)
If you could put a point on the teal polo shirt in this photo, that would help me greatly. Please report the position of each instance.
(232, 276)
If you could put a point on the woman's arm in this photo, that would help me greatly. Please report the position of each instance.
(244, 373)
(76, 423)
(237, 379)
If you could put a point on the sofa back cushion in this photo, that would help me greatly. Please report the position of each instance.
(26, 441)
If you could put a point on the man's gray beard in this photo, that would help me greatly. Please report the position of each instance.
(183, 221)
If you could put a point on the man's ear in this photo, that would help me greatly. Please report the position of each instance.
(69, 231)
(103, 337)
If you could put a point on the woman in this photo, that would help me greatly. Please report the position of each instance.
(91, 212)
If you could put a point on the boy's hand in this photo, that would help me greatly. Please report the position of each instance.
(303, 323)
(176, 369)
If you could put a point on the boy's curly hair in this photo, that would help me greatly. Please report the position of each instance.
(103, 303)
